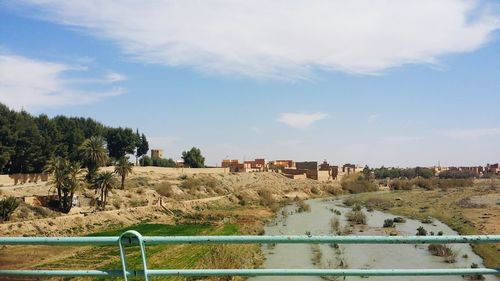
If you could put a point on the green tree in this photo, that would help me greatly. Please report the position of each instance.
(193, 158)
(146, 161)
(367, 172)
(142, 146)
(66, 178)
(7, 141)
(103, 182)
(122, 168)
(121, 141)
(93, 154)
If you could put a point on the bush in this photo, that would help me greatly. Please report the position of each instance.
(388, 223)
(357, 217)
(421, 231)
(7, 207)
(266, 197)
(303, 207)
(165, 189)
(198, 182)
(356, 183)
(315, 190)
(335, 225)
(441, 250)
(401, 185)
(399, 220)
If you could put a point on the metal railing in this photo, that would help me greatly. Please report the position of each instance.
(132, 237)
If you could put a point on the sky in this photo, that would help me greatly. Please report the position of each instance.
(378, 82)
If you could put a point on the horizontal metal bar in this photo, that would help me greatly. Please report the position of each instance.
(303, 239)
(258, 272)
(103, 240)
(297, 239)
(322, 272)
(62, 273)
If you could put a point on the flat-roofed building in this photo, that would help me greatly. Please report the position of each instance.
(157, 153)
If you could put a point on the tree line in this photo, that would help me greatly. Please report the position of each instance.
(28, 143)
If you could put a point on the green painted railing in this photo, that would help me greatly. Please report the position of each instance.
(132, 237)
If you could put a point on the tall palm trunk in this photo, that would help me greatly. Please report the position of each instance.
(123, 181)
(59, 196)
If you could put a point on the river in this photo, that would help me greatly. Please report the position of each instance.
(318, 222)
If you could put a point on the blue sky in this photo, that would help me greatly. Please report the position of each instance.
(399, 84)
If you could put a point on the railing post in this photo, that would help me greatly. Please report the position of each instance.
(130, 234)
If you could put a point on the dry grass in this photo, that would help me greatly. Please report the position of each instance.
(441, 250)
(357, 217)
(164, 189)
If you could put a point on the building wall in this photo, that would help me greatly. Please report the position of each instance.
(324, 175)
(311, 167)
(157, 153)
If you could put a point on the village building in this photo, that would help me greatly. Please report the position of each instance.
(157, 153)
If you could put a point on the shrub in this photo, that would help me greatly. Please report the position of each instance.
(427, 220)
(7, 207)
(303, 207)
(138, 203)
(356, 183)
(359, 186)
(335, 225)
(357, 217)
(441, 250)
(401, 185)
(388, 223)
(421, 231)
(196, 183)
(399, 220)
(266, 197)
(356, 207)
(315, 190)
(165, 189)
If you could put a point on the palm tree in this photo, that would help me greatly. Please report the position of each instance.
(72, 183)
(56, 167)
(103, 182)
(66, 180)
(94, 154)
(123, 168)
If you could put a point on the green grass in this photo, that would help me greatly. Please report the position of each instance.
(159, 230)
(159, 256)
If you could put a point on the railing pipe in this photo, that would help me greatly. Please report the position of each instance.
(300, 239)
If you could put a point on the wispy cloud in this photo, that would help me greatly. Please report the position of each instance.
(470, 133)
(301, 120)
(289, 40)
(34, 84)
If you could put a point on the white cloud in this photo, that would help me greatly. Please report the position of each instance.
(282, 38)
(115, 77)
(301, 120)
(33, 84)
(471, 133)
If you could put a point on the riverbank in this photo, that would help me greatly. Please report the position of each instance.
(472, 210)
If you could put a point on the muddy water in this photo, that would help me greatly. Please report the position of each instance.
(318, 222)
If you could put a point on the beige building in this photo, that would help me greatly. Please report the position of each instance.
(157, 153)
